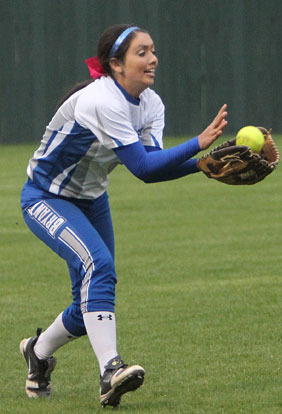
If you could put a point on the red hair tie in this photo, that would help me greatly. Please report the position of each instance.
(96, 70)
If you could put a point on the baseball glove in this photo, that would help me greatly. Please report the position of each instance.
(238, 164)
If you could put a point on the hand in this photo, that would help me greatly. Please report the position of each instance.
(214, 130)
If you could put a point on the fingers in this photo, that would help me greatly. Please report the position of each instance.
(215, 129)
(222, 109)
(221, 115)
(220, 122)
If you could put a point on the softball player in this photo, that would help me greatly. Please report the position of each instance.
(114, 119)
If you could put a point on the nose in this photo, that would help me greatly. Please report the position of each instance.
(153, 59)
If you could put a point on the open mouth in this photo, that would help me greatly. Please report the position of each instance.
(150, 71)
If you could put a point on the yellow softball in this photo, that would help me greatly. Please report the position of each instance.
(252, 137)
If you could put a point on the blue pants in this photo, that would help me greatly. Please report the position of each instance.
(81, 232)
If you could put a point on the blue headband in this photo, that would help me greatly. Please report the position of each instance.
(121, 39)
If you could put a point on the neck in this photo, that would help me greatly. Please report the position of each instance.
(129, 97)
(134, 91)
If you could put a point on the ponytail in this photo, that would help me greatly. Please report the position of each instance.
(76, 87)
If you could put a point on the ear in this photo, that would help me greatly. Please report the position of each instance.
(116, 65)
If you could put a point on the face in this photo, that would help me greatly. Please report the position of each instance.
(137, 71)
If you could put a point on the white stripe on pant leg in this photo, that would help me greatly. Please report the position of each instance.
(71, 248)
(70, 239)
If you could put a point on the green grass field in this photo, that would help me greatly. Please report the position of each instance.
(198, 298)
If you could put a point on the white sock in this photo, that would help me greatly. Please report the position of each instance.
(53, 338)
(101, 330)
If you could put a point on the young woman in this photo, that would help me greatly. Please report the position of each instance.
(116, 118)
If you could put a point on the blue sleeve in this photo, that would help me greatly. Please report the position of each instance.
(153, 165)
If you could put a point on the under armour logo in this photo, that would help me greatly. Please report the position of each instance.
(101, 317)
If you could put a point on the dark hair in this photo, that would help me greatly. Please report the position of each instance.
(75, 88)
(106, 41)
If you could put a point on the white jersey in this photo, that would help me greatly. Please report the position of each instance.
(76, 152)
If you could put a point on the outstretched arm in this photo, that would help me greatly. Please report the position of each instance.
(153, 166)
(160, 165)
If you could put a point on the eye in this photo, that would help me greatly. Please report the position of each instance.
(142, 53)
(154, 52)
